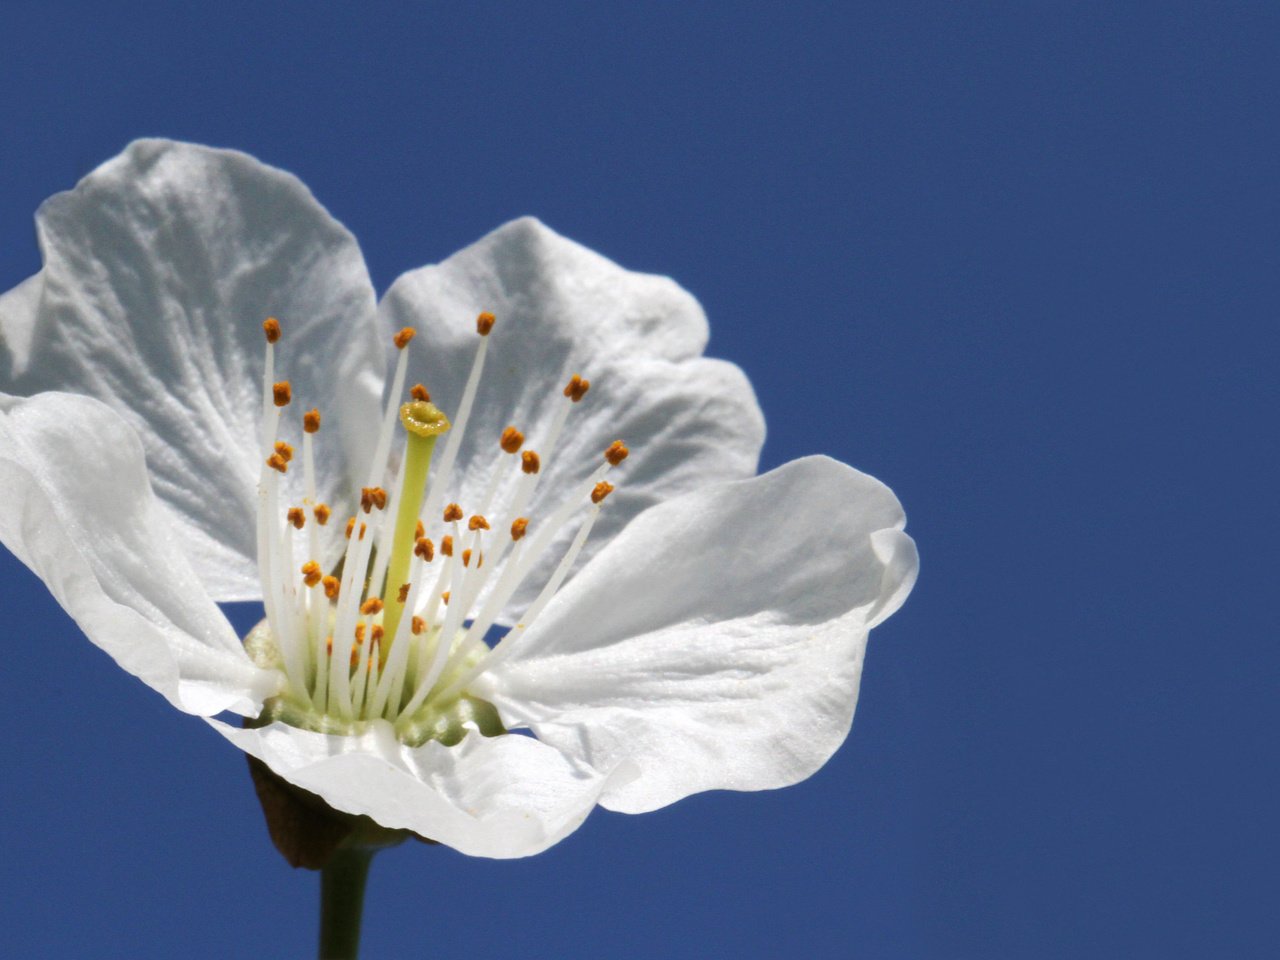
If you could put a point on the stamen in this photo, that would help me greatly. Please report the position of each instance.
(271, 327)
(311, 421)
(322, 513)
(466, 558)
(281, 393)
(331, 587)
(371, 497)
(371, 606)
(418, 625)
(297, 517)
(425, 549)
(616, 453)
(484, 323)
(311, 574)
(284, 450)
(278, 463)
(446, 546)
(351, 525)
(600, 491)
(403, 595)
(512, 440)
(529, 462)
(452, 512)
(419, 531)
(477, 522)
(576, 388)
(419, 392)
(401, 339)
(519, 527)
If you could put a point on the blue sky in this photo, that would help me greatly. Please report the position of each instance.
(1018, 260)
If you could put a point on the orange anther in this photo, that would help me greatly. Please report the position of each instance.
(529, 462)
(284, 450)
(403, 337)
(322, 513)
(601, 490)
(616, 453)
(445, 597)
(371, 497)
(512, 440)
(419, 392)
(271, 327)
(484, 323)
(377, 633)
(297, 517)
(371, 606)
(311, 420)
(403, 595)
(417, 625)
(419, 531)
(425, 549)
(477, 523)
(446, 546)
(466, 558)
(331, 586)
(452, 512)
(519, 527)
(363, 529)
(576, 388)
(360, 632)
(311, 573)
(277, 462)
(282, 393)
(328, 646)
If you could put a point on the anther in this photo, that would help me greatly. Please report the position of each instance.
(359, 633)
(284, 450)
(277, 462)
(419, 392)
(271, 327)
(402, 338)
(311, 420)
(417, 625)
(484, 323)
(311, 573)
(371, 497)
(281, 393)
(446, 546)
(576, 388)
(377, 633)
(322, 513)
(477, 522)
(466, 558)
(331, 586)
(529, 462)
(419, 531)
(297, 517)
(452, 512)
(512, 440)
(403, 595)
(371, 606)
(351, 525)
(445, 597)
(616, 453)
(519, 527)
(363, 530)
(425, 549)
(601, 490)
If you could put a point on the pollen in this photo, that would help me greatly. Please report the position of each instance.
(419, 393)
(477, 523)
(484, 323)
(512, 440)
(616, 453)
(322, 513)
(402, 338)
(519, 527)
(297, 517)
(331, 586)
(446, 546)
(417, 625)
(601, 490)
(371, 606)
(452, 512)
(271, 327)
(529, 462)
(284, 450)
(425, 549)
(311, 420)
(371, 497)
(281, 393)
(403, 595)
(576, 388)
(311, 573)
(277, 462)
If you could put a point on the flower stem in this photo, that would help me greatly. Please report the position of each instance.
(342, 901)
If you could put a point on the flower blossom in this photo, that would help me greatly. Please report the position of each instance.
(544, 521)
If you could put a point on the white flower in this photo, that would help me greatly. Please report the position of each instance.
(708, 633)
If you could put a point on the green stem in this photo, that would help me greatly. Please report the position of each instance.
(342, 901)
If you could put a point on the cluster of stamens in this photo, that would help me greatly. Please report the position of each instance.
(397, 628)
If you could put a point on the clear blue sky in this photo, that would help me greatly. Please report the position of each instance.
(1018, 260)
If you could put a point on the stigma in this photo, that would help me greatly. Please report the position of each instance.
(397, 628)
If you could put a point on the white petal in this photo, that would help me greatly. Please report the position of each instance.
(502, 797)
(563, 309)
(77, 510)
(159, 268)
(718, 641)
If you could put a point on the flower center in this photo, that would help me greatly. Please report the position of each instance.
(396, 630)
